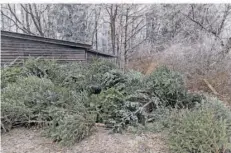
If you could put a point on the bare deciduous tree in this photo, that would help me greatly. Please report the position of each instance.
(27, 17)
(125, 29)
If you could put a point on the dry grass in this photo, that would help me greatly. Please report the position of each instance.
(145, 64)
(194, 61)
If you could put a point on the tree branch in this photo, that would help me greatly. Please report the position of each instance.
(202, 26)
(136, 32)
(35, 23)
(21, 28)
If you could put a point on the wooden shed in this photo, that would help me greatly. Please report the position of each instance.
(16, 46)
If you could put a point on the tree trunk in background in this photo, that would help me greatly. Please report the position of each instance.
(125, 38)
(2, 22)
(112, 11)
(113, 37)
(122, 28)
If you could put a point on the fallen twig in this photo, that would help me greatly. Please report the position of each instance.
(100, 125)
(210, 87)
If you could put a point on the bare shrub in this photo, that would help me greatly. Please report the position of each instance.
(198, 61)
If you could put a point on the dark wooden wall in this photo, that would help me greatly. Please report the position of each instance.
(93, 55)
(12, 48)
(21, 46)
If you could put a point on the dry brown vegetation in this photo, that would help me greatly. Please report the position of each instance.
(218, 78)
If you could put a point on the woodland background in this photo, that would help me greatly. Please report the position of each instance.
(191, 38)
(172, 76)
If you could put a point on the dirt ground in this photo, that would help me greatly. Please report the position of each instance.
(21, 140)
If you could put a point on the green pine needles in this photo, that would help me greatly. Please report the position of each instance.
(66, 100)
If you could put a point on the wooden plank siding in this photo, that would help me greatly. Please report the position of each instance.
(91, 55)
(21, 46)
(11, 48)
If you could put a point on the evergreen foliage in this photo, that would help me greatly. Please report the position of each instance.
(40, 67)
(169, 87)
(37, 101)
(115, 79)
(66, 100)
(9, 75)
(219, 108)
(199, 131)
